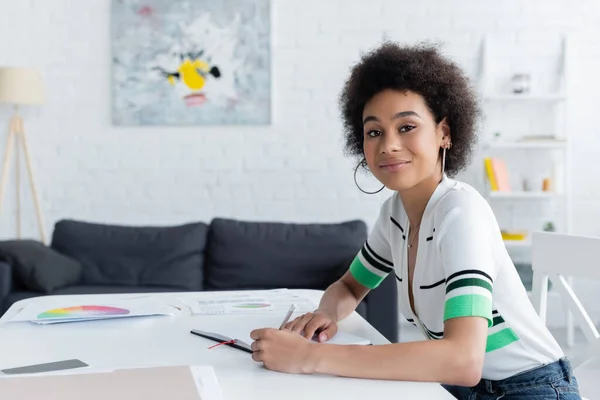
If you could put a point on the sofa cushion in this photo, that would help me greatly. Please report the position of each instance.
(6, 279)
(248, 255)
(96, 289)
(38, 267)
(135, 256)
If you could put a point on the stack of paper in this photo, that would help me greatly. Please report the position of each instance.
(250, 302)
(152, 383)
(63, 311)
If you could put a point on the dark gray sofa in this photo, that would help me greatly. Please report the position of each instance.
(223, 255)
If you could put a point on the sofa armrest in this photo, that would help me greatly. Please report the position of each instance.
(382, 308)
(5, 282)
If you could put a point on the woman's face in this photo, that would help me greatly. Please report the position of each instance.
(401, 139)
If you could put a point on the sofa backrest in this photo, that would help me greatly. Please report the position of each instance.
(135, 255)
(263, 255)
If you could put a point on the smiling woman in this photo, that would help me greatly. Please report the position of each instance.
(409, 115)
(430, 84)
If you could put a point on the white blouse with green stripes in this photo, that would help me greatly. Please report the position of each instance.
(462, 269)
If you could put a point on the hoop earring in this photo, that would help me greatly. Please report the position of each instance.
(444, 156)
(356, 183)
(443, 160)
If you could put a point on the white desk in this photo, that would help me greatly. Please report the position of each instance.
(166, 340)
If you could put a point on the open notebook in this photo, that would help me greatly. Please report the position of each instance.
(242, 341)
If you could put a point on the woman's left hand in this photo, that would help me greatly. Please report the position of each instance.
(283, 351)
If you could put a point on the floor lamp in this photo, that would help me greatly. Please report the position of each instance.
(20, 86)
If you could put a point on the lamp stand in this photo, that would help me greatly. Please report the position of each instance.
(17, 138)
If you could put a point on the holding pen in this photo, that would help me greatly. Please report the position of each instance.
(288, 315)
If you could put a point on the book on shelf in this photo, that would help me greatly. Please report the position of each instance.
(497, 174)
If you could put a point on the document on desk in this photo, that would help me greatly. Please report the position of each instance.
(66, 310)
(151, 383)
(251, 302)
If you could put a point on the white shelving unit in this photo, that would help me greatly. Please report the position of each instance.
(549, 147)
(517, 244)
(525, 97)
(537, 195)
(522, 150)
(541, 145)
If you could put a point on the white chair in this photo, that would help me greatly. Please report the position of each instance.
(556, 257)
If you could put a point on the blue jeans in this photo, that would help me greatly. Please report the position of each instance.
(552, 381)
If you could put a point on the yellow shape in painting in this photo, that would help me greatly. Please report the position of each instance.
(189, 73)
(201, 64)
(171, 79)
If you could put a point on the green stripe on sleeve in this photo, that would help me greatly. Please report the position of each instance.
(468, 282)
(376, 264)
(469, 305)
(500, 339)
(363, 275)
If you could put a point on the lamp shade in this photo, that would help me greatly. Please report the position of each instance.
(21, 86)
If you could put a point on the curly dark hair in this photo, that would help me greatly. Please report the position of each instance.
(421, 69)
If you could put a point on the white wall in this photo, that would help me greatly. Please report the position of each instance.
(292, 170)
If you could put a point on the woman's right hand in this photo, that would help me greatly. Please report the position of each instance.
(318, 322)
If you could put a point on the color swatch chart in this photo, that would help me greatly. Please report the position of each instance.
(63, 311)
(87, 311)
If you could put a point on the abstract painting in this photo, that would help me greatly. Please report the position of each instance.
(191, 62)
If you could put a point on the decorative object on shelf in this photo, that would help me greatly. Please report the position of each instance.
(191, 62)
(521, 83)
(20, 86)
(547, 185)
(549, 227)
(527, 187)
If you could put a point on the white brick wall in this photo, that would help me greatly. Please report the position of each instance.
(293, 170)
